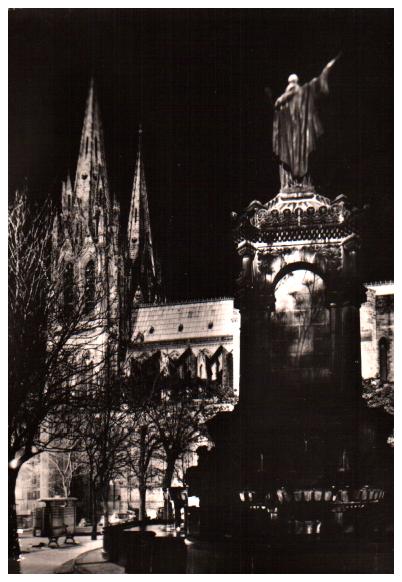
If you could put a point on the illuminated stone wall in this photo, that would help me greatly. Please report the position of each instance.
(377, 329)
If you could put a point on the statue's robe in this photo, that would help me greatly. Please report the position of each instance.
(296, 125)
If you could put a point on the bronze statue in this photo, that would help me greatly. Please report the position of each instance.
(297, 127)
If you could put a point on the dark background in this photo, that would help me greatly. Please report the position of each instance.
(196, 80)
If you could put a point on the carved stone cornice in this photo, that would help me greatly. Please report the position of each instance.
(293, 218)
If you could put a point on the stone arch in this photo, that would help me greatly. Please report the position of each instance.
(187, 365)
(299, 266)
(300, 326)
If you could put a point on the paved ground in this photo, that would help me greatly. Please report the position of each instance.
(214, 557)
(44, 560)
(226, 557)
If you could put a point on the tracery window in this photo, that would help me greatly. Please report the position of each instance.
(384, 348)
(89, 290)
(68, 287)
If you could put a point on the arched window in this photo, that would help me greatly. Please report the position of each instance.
(68, 287)
(383, 347)
(89, 291)
(301, 330)
(87, 370)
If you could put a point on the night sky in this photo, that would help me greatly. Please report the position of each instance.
(196, 80)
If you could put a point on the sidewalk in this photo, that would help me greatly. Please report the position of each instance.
(44, 560)
(92, 562)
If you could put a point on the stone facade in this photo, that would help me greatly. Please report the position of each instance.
(119, 276)
(377, 331)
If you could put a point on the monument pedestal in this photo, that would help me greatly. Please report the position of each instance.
(288, 454)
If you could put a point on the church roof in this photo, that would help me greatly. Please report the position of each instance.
(184, 321)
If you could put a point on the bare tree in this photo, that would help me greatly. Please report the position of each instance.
(175, 405)
(104, 432)
(178, 410)
(67, 465)
(144, 448)
(47, 337)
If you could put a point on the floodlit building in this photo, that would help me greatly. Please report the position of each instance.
(377, 331)
(200, 337)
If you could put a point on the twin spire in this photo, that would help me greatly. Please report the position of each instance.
(139, 225)
(91, 184)
(91, 195)
(140, 250)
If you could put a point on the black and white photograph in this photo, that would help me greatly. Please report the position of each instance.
(200, 290)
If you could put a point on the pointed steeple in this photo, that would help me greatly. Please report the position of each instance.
(140, 250)
(91, 166)
(67, 195)
(139, 226)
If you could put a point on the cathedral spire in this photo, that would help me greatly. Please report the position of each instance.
(91, 166)
(140, 249)
(139, 227)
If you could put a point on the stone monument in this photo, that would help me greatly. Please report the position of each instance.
(287, 460)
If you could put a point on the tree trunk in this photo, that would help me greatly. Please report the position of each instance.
(143, 504)
(13, 542)
(105, 497)
(93, 511)
(167, 482)
(142, 480)
(168, 476)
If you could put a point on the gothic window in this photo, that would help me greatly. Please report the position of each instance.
(383, 347)
(86, 146)
(228, 380)
(33, 495)
(96, 148)
(68, 287)
(89, 291)
(87, 371)
(135, 215)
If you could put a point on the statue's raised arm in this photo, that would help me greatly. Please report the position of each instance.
(323, 78)
(297, 127)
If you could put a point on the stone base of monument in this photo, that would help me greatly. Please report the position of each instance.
(350, 537)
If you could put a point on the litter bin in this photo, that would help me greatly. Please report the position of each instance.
(59, 518)
(70, 516)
